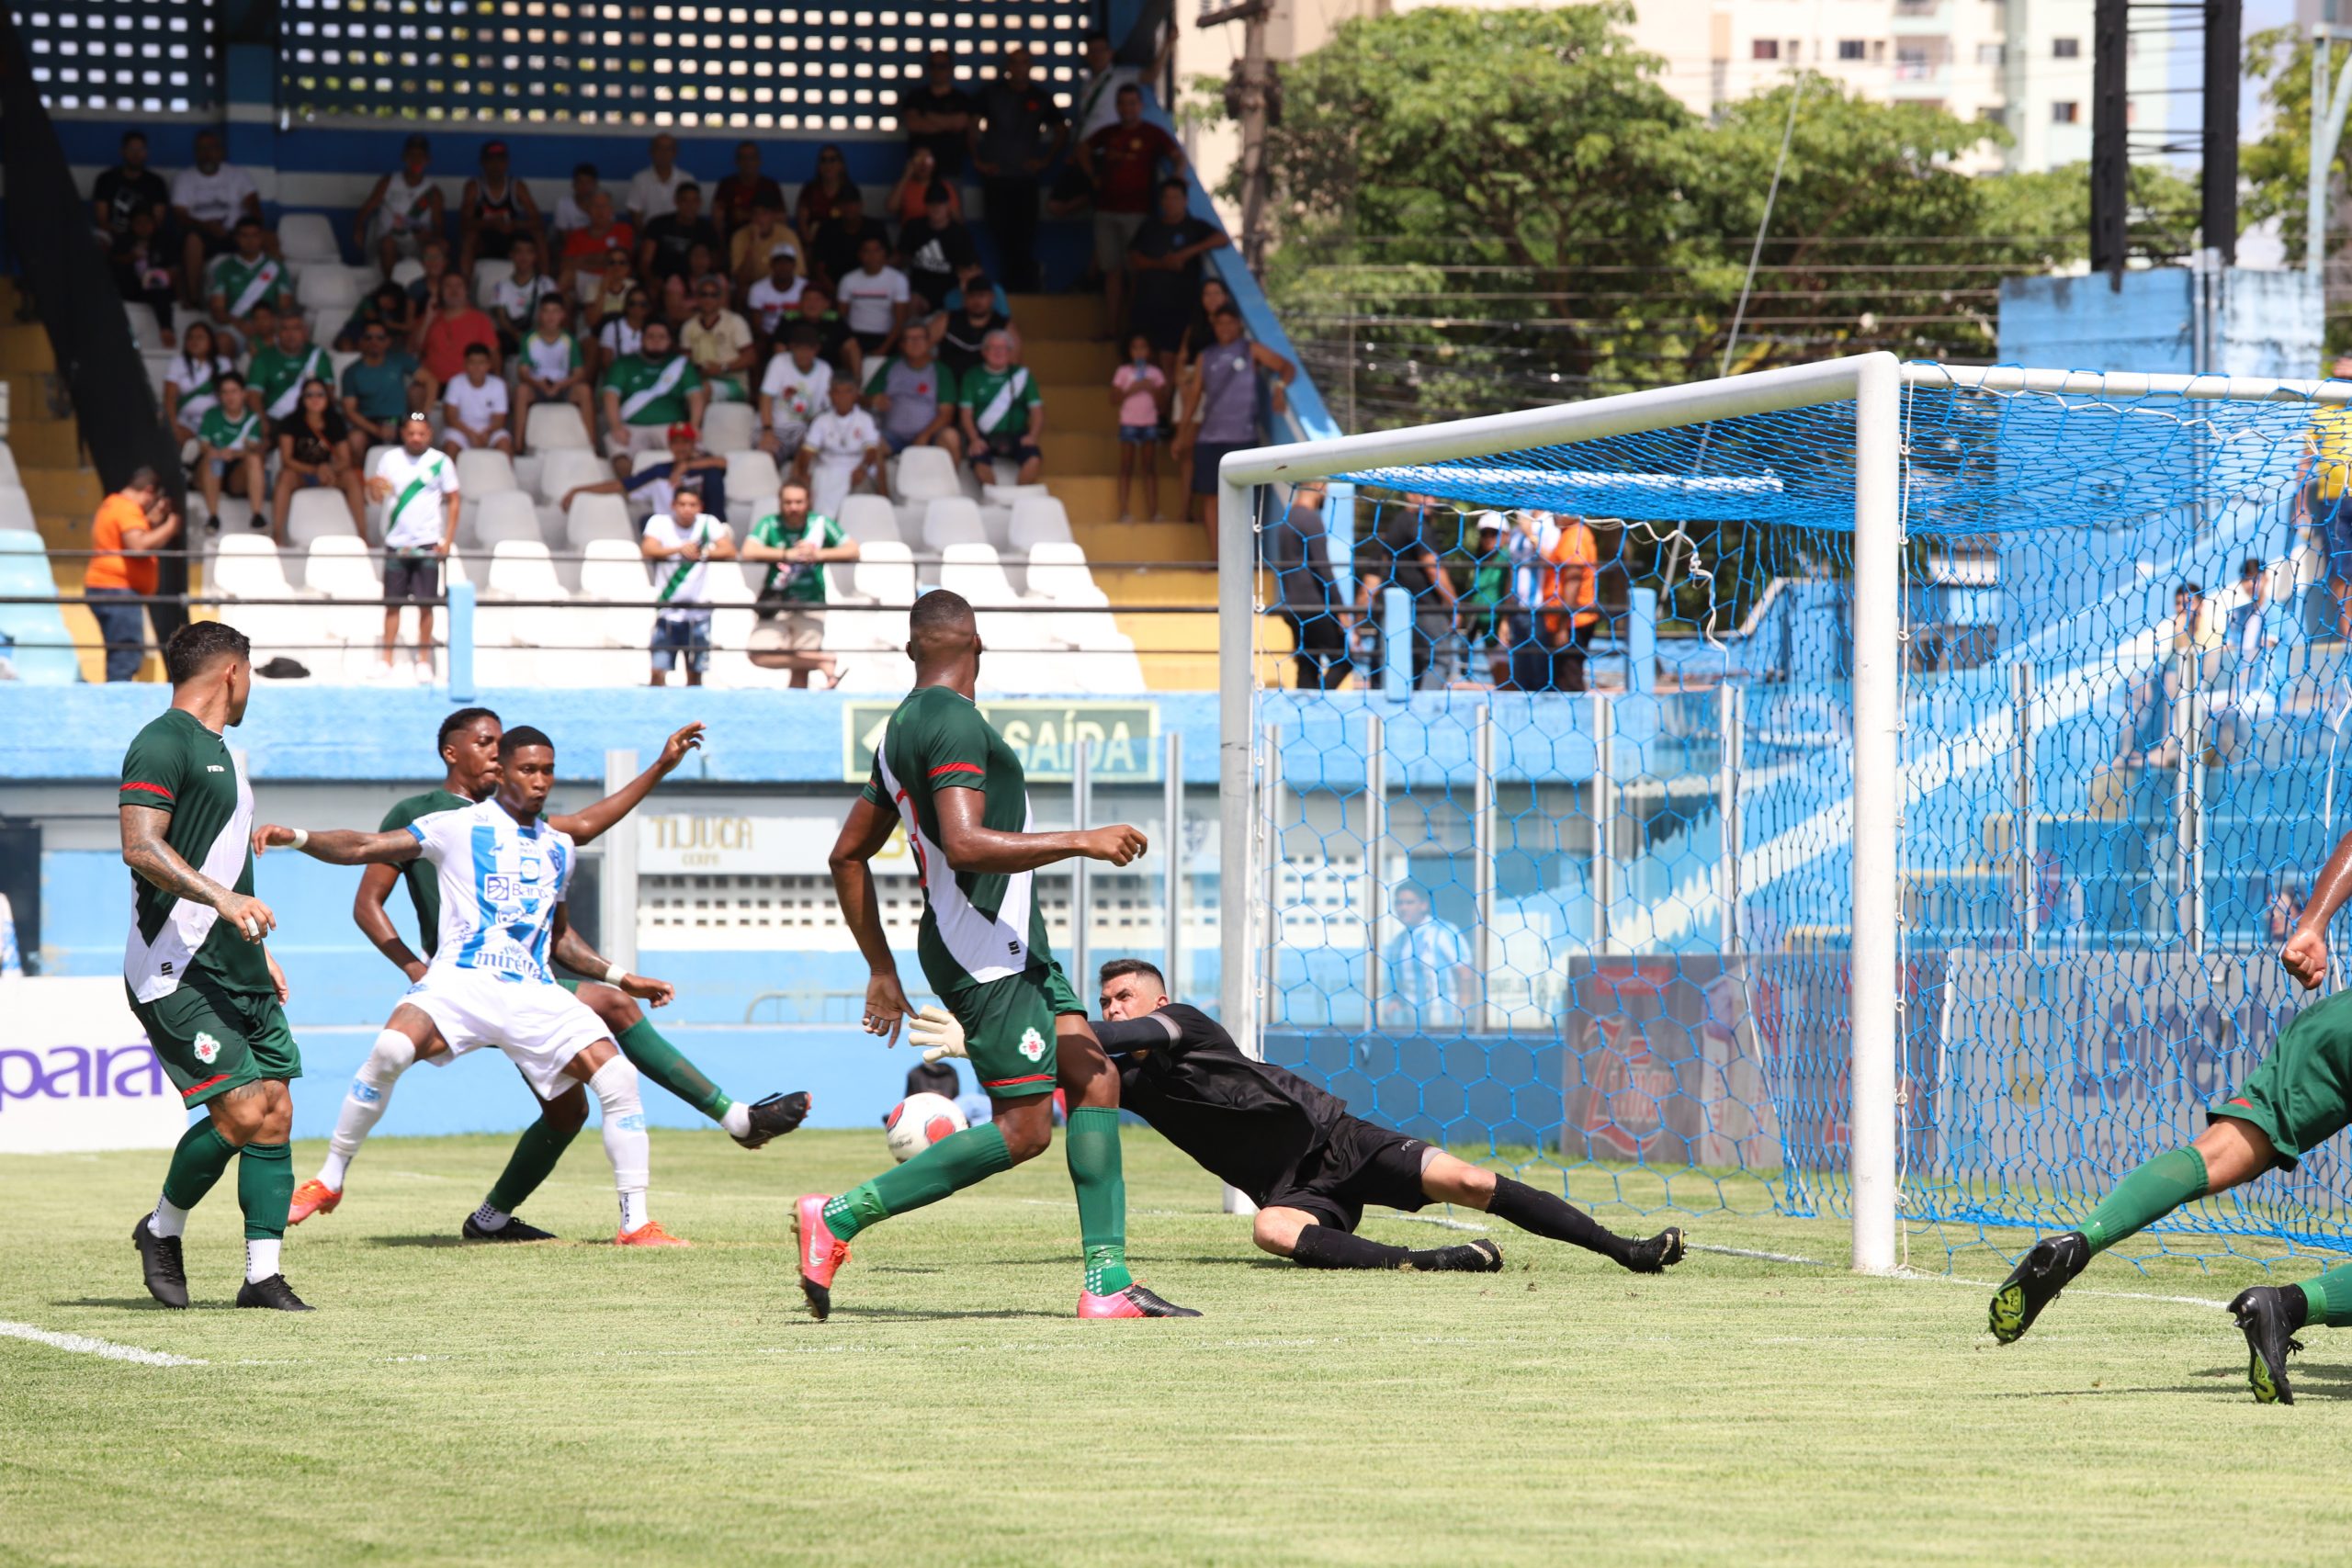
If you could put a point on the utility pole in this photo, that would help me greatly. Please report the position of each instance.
(1247, 102)
(2110, 144)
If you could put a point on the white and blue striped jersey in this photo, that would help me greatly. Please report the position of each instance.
(500, 882)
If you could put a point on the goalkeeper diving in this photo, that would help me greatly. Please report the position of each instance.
(1309, 1165)
(2298, 1096)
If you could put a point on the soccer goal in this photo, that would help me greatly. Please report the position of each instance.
(1857, 788)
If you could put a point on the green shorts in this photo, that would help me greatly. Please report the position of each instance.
(211, 1041)
(2301, 1094)
(1008, 1028)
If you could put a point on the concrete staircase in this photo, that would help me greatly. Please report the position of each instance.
(1067, 347)
(47, 444)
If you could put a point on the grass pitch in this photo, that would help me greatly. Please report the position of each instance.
(570, 1403)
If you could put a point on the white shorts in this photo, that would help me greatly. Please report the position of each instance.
(500, 440)
(538, 1024)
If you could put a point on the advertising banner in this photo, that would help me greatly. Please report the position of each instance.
(76, 1074)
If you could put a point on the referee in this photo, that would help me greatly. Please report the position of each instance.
(1309, 1165)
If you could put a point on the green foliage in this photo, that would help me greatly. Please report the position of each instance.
(1484, 209)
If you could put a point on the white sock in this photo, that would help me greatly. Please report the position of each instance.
(491, 1219)
(260, 1259)
(364, 1106)
(626, 1144)
(169, 1218)
(737, 1120)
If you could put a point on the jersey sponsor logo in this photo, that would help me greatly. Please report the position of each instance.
(1033, 1045)
(80, 1072)
(167, 966)
(208, 1049)
(214, 768)
(500, 888)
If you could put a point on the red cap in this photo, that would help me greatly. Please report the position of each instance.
(683, 431)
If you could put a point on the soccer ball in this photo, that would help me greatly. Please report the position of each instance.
(918, 1122)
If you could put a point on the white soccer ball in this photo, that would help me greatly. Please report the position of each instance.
(920, 1121)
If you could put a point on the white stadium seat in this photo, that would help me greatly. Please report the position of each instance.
(952, 520)
(506, 517)
(489, 275)
(318, 512)
(567, 469)
(728, 428)
(327, 288)
(145, 329)
(925, 472)
(752, 486)
(554, 426)
(1038, 520)
(596, 517)
(309, 237)
(481, 473)
(341, 567)
(1058, 572)
(870, 520)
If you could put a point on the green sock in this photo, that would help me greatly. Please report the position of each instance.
(2328, 1299)
(2145, 1196)
(264, 1188)
(1091, 1144)
(667, 1065)
(956, 1161)
(197, 1163)
(533, 1161)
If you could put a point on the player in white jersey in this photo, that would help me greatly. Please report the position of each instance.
(503, 871)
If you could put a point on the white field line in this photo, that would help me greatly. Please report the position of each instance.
(1750, 1252)
(2206, 1301)
(81, 1344)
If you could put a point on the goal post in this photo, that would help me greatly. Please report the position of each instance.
(1872, 382)
(1880, 464)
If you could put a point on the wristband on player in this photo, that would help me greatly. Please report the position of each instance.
(301, 837)
(615, 973)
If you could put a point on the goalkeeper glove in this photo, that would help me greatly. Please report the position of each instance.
(935, 1030)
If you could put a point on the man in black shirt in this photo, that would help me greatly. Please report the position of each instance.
(128, 186)
(1309, 1165)
(939, 115)
(1020, 131)
(669, 239)
(833, 253)
(1164, 264)
(1309, 590)
(964, 331)
(938, 248)
(1402, 553)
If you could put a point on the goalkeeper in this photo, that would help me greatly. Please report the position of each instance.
(1308, 1165)
(2299, 1097)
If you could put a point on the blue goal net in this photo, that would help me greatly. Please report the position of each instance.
(1554, 758)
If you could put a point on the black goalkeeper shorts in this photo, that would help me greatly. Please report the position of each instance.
(1364, 1163)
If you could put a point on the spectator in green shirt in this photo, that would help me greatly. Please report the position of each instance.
(648, 391)
(797, 543)
(230, 435)
(1002, 413)
(1483, 603)
(380, 387)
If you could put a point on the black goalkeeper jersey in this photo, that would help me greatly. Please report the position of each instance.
(1249, 1122)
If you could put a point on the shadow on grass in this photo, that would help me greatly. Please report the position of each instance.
(2309, 1382)
(130, 1303)
(940, 1314)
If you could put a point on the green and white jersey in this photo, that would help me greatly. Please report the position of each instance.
(220, 432)
(276, 377)
(423, 880)
(552, 361)
(653, 393)
(976, 926)
(248, 283)
(797, 581)
(1000, 400)
(175, 764)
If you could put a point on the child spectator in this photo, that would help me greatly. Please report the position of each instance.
(842, 451)
(231, 437)
(473, 408)
(1137, 390)
(798, 386)
(551, 368)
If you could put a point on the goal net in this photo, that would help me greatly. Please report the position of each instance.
(1859, 789)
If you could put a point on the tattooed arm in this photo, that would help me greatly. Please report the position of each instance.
(161, 867)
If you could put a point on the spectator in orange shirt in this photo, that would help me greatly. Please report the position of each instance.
(1568, 583)
(137, 518)
(451, 327)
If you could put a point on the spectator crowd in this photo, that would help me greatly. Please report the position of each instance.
(852, 323)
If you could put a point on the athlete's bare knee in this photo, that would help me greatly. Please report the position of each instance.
(1027, 1126)
(240, 1115)
(583, 1066)
(1276, 1230)
(277, 1118)
(568, 1111)
(2234, 1153)
(615, 1005)
(1081, 1069)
